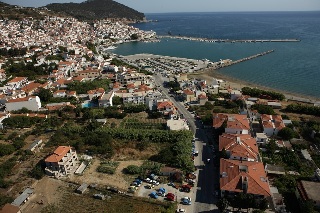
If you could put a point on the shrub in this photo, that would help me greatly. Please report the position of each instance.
(133, 169)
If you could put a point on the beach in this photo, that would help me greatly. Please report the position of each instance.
(210, 73)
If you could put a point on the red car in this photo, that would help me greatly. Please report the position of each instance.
(170, 197)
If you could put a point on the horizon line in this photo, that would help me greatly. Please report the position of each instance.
(236, 11)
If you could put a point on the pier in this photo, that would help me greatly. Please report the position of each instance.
(228, 62)
(230, 40)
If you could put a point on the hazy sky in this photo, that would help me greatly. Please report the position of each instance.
(153, 6)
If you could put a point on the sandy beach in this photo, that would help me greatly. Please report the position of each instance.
(208, 74)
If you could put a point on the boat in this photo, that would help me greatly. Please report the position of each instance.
(111, 48)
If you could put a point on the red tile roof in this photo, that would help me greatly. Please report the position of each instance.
(9, 208)
(20, 99)
(235, 175)
(164, 105)
(18, 79)
(188, 92)
(58, 154)
(234, 121)
(240, 145)
(272, 121)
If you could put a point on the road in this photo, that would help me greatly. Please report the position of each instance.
(202, 194)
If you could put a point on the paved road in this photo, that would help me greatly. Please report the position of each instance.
(202, 194)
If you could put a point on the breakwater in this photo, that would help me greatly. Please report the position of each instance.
(229, 40)
(228, 62)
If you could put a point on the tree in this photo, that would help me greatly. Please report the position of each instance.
(222, 204)
(45, 94)
(263, 204)
(116, 100)
(286, 133)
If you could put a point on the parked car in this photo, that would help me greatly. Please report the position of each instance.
(154, 195)
(180, 210)
(186, 201)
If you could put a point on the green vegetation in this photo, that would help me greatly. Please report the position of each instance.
(96, 10)
(148, 167)
(303, 109)
(5, 169)
(133, 169)
(5, 199)
(108, 167)
(287, 158)
(246, 201)
(263, 109)
(57, 57)
(174, 85)
(21, 121)
(13, 52)
(287, 133)
(91, 46)
(132, 123)
(28, 69)
(254, 92)
(83, 87)
(177, 155)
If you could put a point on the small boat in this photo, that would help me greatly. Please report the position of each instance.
(110, 48)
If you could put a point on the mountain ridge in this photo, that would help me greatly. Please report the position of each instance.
(97, 9)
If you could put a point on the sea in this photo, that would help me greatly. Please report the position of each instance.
(293, 67)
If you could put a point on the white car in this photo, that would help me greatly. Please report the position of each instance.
(181, 210)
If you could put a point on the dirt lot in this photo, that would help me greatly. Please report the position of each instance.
(119, 179)
(46, 192)
(54, 196)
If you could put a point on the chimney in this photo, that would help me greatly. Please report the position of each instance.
(244, 183)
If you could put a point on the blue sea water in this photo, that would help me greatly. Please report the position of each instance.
(293, 67)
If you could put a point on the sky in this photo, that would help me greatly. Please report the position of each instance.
(163, 6)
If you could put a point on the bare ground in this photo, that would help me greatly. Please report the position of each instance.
(119, 179)
(45, 193)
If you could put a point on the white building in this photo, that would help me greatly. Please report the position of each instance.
(106, 99)
(62, 162)
(133, 98)
(32, 103)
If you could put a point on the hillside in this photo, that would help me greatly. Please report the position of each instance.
(17, 12)
(97, 9)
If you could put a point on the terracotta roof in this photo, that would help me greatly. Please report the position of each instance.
(58, 154)
(18, 79)
(78, 78)
(59, 91)
(188, 92)
(234, 121)
(164, 104)
(272, 121)
(130, 86)
(21, 99)
(98, 90)
(240, 145)
(235, 174)
(9, 208)
(202, 96)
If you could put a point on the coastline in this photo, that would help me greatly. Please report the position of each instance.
(236, 83)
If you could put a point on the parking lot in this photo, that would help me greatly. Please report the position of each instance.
(143, 191)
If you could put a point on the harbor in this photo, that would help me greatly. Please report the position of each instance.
(229, 40)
